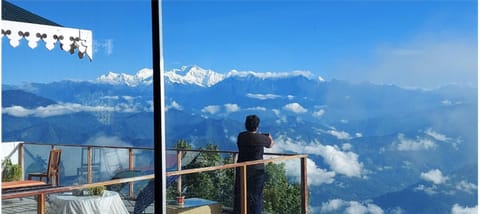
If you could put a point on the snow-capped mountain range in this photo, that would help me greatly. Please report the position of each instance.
(194, 75)
(142, 77)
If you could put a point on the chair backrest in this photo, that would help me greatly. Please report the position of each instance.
(54, 162)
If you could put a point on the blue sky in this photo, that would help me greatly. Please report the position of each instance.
(408, 43)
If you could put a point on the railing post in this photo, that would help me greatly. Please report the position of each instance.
(89, 164)
(41, 203)
(243, 189)
(179, 167)
(21, 162)
(304, 185)
(235, 157)
(131, 164)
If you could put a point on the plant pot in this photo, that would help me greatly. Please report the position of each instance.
(180, 200)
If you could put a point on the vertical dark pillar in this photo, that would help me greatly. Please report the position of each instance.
(157, 105)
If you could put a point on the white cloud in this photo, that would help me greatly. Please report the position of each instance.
(128, 107)
(174, 105)
(349, 207)
(342, 162)
(466, 186)
(295, 108)
(263, 96)
(436, 135)
(53, 110)
(110, 97)
(396, 210)
(358, 134)
(341, 135)
(280, 118)
(231, 107)
(332, 205)
(345, 163)
(407, 164)
(266, 75)
(149, 106)
(405, 144)
(256, 108)
(211, 109)
(128, 98)
(431, 190)
(106, 46)
(346, 146)
(276, 112)
(316, 176)
(17, 111)
(457, 209)
(446, 102)
(319, 113)
(428, 61)
(435, 176)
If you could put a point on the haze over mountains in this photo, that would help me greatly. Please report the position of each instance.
(372, 148)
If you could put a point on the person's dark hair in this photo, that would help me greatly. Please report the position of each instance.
(252, 122)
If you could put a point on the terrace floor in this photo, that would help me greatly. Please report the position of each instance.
(28, 205)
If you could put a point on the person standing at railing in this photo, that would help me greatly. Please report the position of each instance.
(251, 146)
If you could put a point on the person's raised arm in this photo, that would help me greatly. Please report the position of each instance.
(271, 141)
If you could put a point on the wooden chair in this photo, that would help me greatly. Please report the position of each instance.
(53, 169)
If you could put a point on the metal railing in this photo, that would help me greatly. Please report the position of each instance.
(243, 173)
(41, 193)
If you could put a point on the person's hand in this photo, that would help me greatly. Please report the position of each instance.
(271, 141)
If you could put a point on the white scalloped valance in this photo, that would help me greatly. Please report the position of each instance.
(70, 39)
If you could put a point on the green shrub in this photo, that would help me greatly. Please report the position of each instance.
(10, 172)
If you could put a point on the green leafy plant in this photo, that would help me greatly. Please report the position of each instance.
(96, 190)
(10, 172)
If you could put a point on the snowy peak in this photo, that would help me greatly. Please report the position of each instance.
(206, 78)
(194, 75)
(142, 77)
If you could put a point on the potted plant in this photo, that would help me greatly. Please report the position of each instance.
(181, 197)
(10, 172)
(96, 190)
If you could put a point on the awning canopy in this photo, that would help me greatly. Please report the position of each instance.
(18, 23)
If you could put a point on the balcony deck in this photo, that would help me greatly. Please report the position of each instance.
(28, 205)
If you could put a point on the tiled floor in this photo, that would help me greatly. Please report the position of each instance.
(29, 206)
(16, 205)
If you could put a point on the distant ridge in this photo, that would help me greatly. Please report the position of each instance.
(29, 100)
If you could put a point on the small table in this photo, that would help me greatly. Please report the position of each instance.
(194, 205)
(108, 203)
